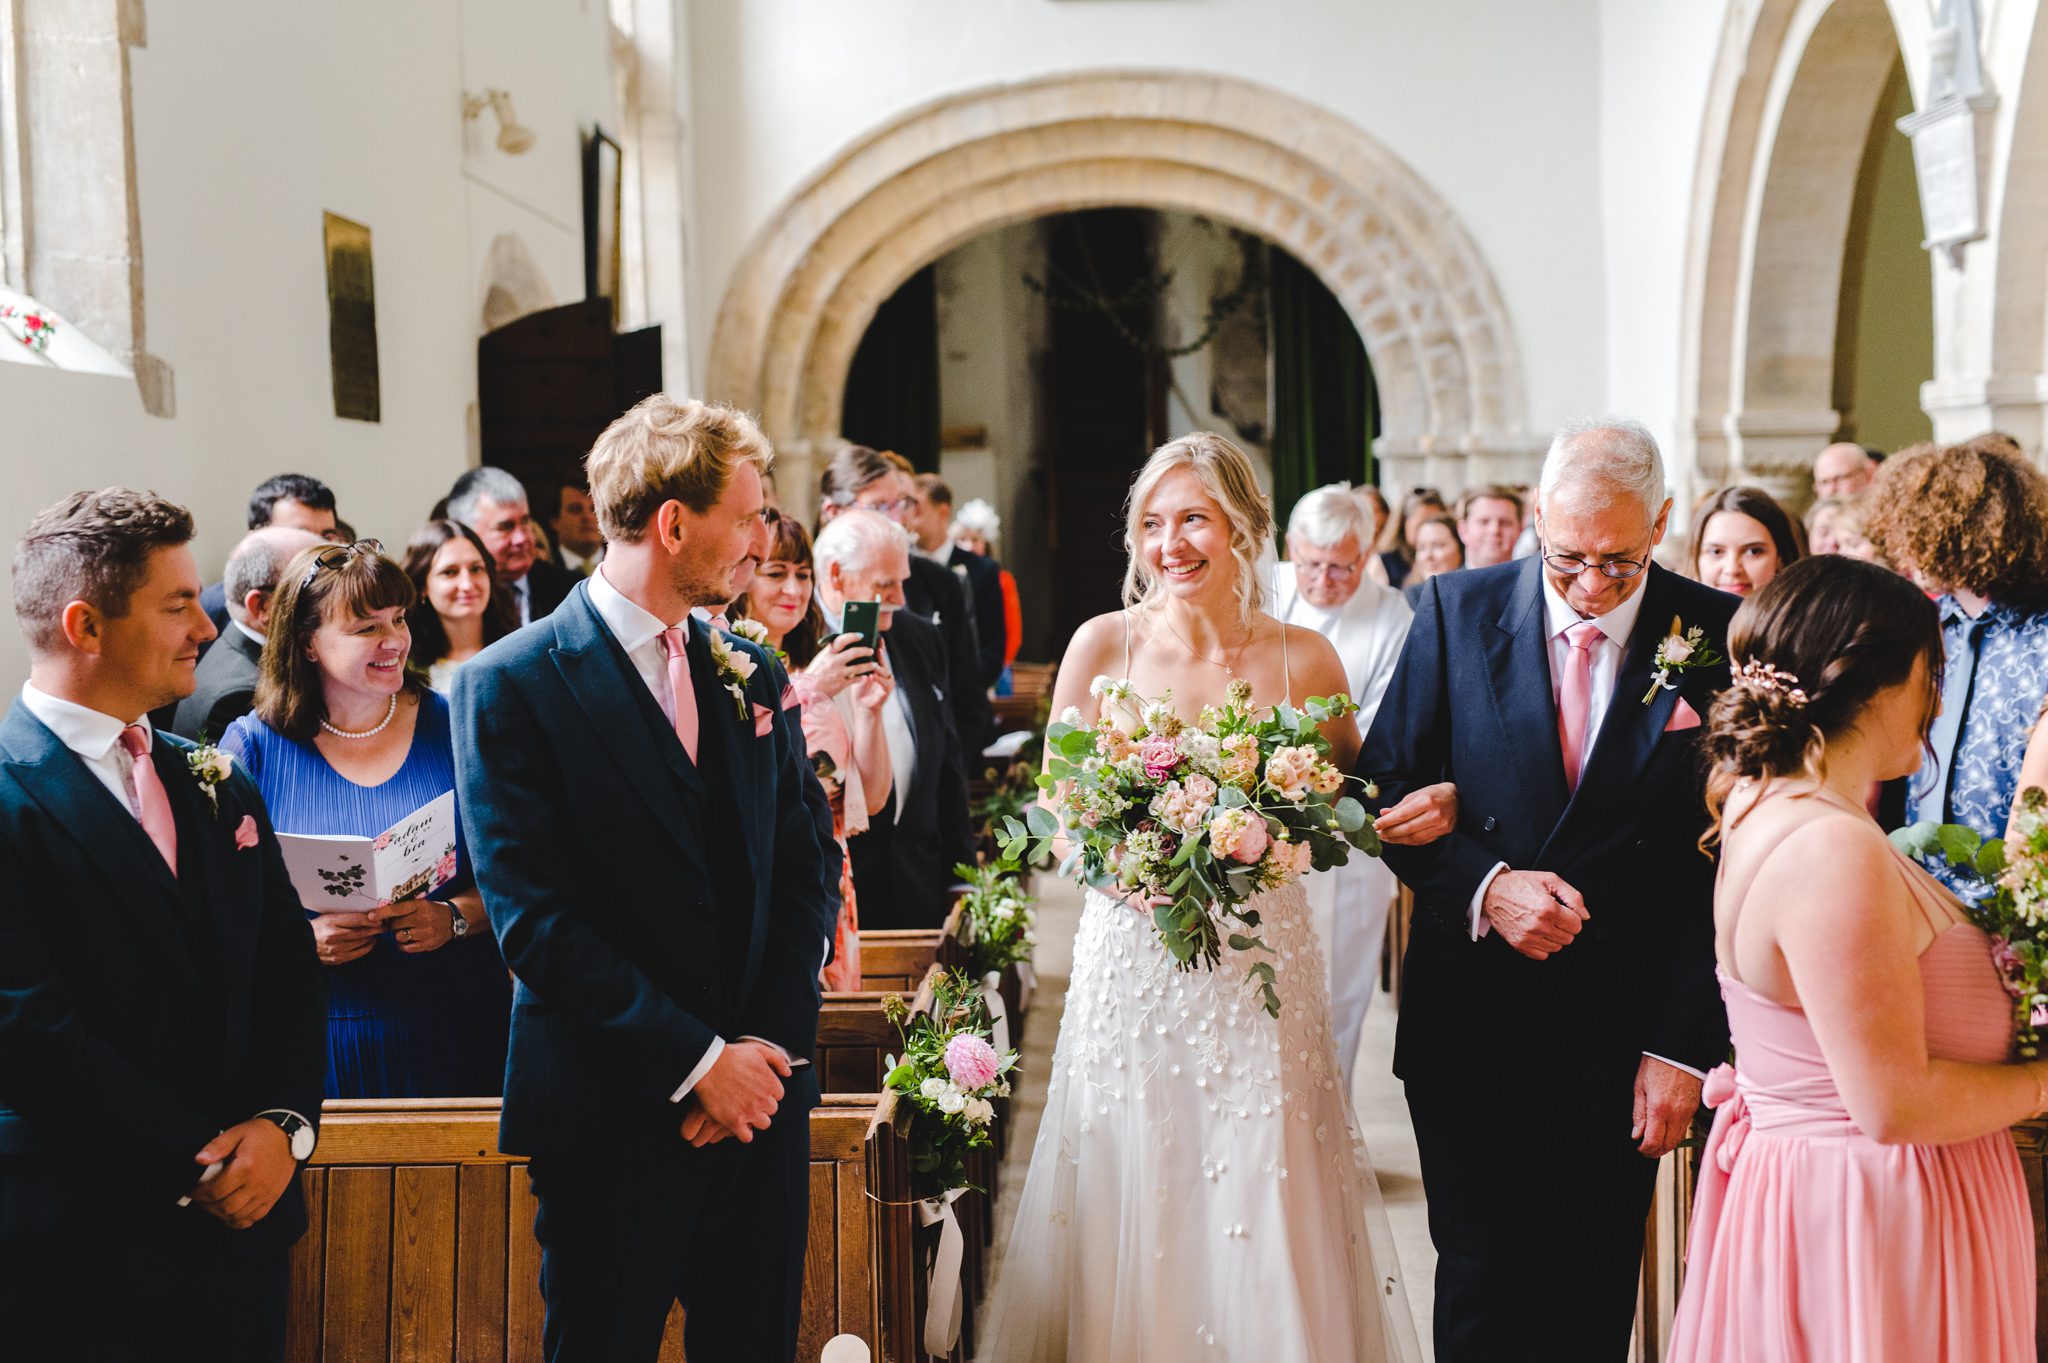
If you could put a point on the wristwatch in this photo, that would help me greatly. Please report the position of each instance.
(296, 1129)
(458, 926)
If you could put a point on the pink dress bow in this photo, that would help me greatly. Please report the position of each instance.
(1731, 1128)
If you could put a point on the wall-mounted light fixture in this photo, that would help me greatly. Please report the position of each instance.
(514, 137)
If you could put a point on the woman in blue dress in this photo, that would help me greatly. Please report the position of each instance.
(344, 741)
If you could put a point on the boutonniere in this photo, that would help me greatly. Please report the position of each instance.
(1681, 649)
(210, 766)
(754, 632)
(734, 669)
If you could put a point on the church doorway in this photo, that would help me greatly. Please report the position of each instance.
(1036, 366)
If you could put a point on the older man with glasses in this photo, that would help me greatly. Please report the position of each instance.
(1323, 585)
(1560, 975)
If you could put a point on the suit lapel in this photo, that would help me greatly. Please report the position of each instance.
(1518, 669)
(215, 922)
(116, 849)
(1629, 730)
(600, 678)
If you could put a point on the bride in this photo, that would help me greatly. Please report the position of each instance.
(1197, 1189)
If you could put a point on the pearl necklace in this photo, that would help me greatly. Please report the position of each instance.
(384, 724)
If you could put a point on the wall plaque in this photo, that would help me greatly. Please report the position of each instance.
(351, 320)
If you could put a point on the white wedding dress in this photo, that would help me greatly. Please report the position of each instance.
(1198, 1189)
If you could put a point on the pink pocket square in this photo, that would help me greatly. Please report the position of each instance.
(764, 721)
(1683, 716)
(245, 833)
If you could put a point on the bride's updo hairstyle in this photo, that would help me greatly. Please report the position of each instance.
(1808, 653)
(1226, 474)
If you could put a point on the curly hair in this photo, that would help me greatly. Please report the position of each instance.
(1972, 517)
(1834, 632)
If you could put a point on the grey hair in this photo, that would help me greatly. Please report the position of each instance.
(1325, 516)
(257, 562)
(1599, 460)
(979, 518)
(853, 539)
(479, 483)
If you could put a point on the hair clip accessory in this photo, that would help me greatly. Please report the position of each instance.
(1761, 677)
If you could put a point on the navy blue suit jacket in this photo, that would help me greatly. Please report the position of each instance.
(591, 835)
(141, 1014)
(1470, 702)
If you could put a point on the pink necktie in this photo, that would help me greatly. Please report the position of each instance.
(1575, 698)
(150, 797)
(685, 712)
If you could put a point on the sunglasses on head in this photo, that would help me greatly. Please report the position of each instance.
(338, 556)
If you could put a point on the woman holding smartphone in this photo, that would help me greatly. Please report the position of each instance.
(842, 693)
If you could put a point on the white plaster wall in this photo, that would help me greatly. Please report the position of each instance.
(251, 118)
(1495, 104)
(1656, 60)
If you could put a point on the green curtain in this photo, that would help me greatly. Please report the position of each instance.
(1325, 405)
(892, 387)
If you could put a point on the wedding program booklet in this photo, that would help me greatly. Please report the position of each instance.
(413, 857)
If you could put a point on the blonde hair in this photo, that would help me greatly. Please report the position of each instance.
(663, 450)
(1225, 473)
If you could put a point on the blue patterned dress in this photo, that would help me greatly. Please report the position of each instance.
(1996, 673)
(399, 1025)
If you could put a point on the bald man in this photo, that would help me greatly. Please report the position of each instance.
(224, 687)
(1843, 470)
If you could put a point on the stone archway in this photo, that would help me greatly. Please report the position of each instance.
(1442, 346)
(1796, 86)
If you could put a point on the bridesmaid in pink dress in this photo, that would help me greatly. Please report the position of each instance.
(1860, 1200)
(841, 693)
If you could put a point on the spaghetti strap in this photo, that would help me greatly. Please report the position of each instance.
(1286, 677)
(1126, 614)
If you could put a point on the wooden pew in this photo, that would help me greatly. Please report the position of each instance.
(421, 1238)
(896, 959)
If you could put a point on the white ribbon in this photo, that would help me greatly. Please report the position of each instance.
(942, 1311)
(1027, 984)
(998, 1020)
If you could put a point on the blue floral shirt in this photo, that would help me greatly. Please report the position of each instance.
(1990, 705)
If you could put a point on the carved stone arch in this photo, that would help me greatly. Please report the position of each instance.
(1442, 346)
(1795, 88)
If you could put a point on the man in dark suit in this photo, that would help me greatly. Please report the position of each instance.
(657, 884)
(931, 520)
(225, 684)
(903, 864)
(493, 503)
(1559, 1006)
(163, 1018)
(869, 480)
(290, 501)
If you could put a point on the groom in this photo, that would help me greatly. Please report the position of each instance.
(1559, 1006)
(637, 813)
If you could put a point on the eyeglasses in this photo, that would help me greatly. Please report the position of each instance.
(1571, 565)
(888, 508)
(338, 556)
(1336, 572)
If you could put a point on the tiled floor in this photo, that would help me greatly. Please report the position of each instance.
(1383, 1116)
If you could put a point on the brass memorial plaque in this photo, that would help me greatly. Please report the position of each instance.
(351, 320)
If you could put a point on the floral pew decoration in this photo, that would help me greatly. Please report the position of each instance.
(950, 1074)
(996, 929)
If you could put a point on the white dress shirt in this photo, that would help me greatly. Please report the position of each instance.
(1615, 628)
(95, 737)
(638, 631)
(254, 634)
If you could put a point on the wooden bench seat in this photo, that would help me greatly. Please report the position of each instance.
(421, 1246)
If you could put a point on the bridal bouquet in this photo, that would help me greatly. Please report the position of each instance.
(2015, 910)
(1195, 819)
(951, 1074)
